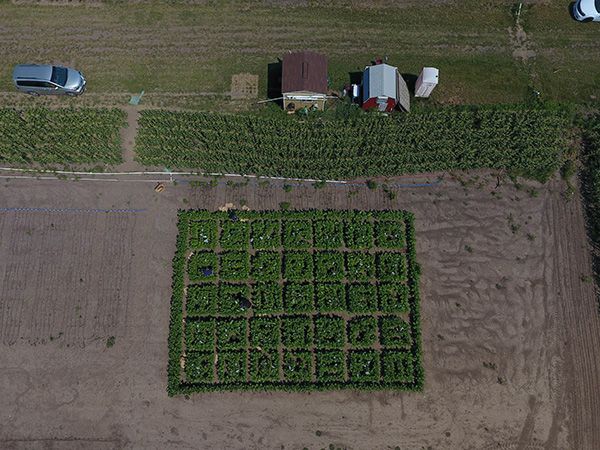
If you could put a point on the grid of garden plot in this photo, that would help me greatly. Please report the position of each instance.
(298, 300)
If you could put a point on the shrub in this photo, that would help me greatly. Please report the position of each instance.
(394, 332)
(202, 266)
(360, 266)
(329, 332)
(231, 334)
(329, 266)
(298, 266)
(363, 365)
(362, 298)
(297, 332)
(200, 334)
(331, 297)
(265, 332)
(235, 235)
(201, 300)
(231, 366)
(266, 266)
(267, 298)
(266, 234)
(298, 298)
(330, 365)
(362, 331)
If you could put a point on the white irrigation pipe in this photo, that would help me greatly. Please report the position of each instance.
(112, 180)
(519, 12)
(168, 173)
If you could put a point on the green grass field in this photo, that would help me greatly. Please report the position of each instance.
(175, 48)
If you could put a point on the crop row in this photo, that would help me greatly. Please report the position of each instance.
(265, 234)
(300, 366)
(296, 266)
(305, 332)
(295, 298)
(60, 136)
(526, 141)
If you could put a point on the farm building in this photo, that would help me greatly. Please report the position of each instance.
(383, 88)
(304, 81)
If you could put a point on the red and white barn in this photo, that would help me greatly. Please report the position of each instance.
(383, 88)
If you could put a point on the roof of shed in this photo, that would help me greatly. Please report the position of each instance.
(383, 80)
(304, 71)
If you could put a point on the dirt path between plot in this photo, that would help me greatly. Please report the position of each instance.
(128, 134)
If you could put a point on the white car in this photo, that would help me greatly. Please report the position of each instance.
(587, 10)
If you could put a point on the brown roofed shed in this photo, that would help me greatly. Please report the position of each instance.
(304, 71)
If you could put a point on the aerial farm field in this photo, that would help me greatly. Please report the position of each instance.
(408, 285)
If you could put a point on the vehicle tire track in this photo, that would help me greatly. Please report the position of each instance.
(581, 323)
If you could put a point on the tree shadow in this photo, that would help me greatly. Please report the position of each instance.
(411, 81)
(274, 71)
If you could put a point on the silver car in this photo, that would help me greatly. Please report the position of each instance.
(42, 79)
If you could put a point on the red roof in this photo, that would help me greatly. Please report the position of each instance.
(304, 71)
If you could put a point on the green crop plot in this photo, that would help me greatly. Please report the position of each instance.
(295, 300)
(524, 141)
(61, 136)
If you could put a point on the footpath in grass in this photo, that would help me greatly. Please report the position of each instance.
(525, 141)
(60, 136)
(295, 300)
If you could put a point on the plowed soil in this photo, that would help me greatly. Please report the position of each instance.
(510, 323)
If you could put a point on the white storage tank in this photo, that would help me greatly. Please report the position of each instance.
(426, 81)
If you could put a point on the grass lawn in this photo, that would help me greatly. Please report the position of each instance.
(171, 48)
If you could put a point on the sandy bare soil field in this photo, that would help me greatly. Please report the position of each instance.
(510, 327)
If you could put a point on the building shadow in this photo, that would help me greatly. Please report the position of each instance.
(355, 77)
(274, 72)
(411, 81)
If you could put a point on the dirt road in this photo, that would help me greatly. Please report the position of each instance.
(510, 326)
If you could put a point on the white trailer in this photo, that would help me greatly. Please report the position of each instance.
(426, 82)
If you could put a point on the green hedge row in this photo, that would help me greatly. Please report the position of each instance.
(524, 141)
